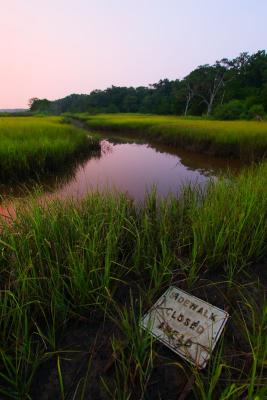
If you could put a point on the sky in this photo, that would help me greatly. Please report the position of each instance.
(52, 48)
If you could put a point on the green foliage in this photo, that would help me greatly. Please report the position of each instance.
(62, 262)
(246, 140)
(35, 146)
(243, 78)
(235, 109)
(224, 229)
(256, 111)
(239, 109)
(41, 106)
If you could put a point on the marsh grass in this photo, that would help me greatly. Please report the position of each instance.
(246, 140)
(31, 147)
(64, 262)
(230, 375)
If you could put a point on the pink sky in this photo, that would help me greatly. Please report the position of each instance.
(53, 48)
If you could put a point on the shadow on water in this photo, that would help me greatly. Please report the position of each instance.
(129, 166)
(134, 167)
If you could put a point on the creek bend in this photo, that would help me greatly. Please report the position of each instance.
(125, 165)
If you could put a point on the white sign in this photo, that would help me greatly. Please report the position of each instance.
(187, 325)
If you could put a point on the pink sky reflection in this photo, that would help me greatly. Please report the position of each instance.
(122, 169)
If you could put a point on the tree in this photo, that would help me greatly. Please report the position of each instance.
(130, 103)
(205, 82)
(32, 101)
(188, 92)
(39, 105)
(243, 78)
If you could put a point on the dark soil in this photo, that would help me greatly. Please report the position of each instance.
(87, 359)
(84, 351)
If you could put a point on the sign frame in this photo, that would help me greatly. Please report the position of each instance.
(187, 342)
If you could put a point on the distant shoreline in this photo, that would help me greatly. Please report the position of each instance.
(12, 110)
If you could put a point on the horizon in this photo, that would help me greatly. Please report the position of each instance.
(57, 49)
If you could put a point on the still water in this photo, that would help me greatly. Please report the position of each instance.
(134, 168)
(130, 167)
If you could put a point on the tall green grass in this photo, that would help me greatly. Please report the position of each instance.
(246, 140)
(64, 262)
(34, 146)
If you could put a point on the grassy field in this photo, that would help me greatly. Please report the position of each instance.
(33, 146)
(75, 280)
(246, 140)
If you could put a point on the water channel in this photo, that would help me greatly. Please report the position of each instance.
(133, 167)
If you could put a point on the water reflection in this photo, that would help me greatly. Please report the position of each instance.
(134, 168)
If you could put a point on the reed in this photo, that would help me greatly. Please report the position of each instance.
(246, 140)
(64, 263)
(34, 146)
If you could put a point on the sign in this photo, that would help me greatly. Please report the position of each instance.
(189, 326)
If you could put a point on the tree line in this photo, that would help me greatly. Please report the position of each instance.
(228, 89)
